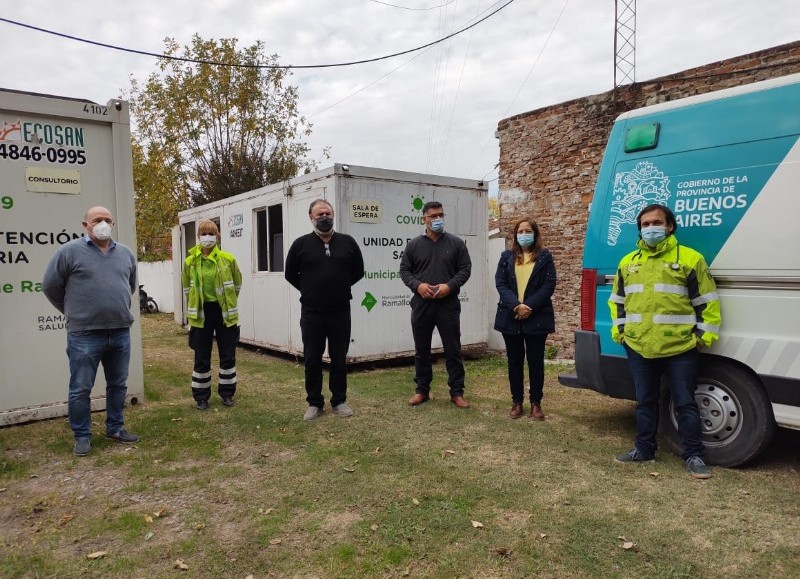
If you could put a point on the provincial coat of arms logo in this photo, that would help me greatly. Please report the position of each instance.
(633, 191)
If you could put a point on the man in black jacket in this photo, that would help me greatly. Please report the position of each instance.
(434, 266)
(324, 265)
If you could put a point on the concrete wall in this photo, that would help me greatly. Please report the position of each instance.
(156, 277)
(549, 160)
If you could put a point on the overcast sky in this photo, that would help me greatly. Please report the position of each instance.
(432, 111)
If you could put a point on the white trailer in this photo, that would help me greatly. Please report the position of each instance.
(58, 157)
(381, 210)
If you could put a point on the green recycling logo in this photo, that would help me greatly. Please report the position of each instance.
(369, 301)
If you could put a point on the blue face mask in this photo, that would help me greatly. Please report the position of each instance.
(654, 234)
(525, 239)
(437, 225)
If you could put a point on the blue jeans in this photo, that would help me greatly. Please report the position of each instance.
(85, 351)
(681, 373)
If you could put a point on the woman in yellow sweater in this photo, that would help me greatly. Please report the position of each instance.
(525, 280)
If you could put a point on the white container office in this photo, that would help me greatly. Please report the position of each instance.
(58, 157)
(381, 209)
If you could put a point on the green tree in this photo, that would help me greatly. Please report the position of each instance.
(203, 132)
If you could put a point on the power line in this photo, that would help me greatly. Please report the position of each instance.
(258, 66)
(407, 8)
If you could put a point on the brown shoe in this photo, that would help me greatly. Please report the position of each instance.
(418, 399)
(536, 412)
(516, 411)
(459, 401)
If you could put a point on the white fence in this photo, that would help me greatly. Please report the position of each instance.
(156, 277)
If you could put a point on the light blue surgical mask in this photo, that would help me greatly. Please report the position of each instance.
(437, 225)
(525, 239)
(654, 234)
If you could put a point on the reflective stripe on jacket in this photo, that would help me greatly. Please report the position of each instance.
(664, 300)
(228, 282)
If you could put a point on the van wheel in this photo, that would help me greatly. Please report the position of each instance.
(735, 414)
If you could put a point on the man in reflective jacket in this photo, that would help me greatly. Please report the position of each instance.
(664, 307)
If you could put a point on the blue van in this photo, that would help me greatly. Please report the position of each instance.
(728, 165)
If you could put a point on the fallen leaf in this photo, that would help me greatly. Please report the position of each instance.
(178, 564)
(149, 536)
(477, 524)
(34, 476)
(621, 537)
(66, 519)
(374, 527)
(274, 541)
(415, 501)
(567, 503)
(249, 577)
(265, 454)
(349, 469)
(448, 452)
(654, 474)
(81, 497)
(177, 419)
(4, 489)
(542, 535)
(264, 511)
(96, 555)
(502, 552)
(377, 450)
(627, 545)
(160, 512)
(200, 527)
(148, 519)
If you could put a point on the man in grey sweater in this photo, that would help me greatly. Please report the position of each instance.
(91, 281)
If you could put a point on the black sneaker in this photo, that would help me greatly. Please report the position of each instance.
(697, 467)
(123, 436)
(83, 446)
(227, 400)
(633, 456)
(202, 405)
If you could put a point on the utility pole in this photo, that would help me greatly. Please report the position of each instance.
(625, 42)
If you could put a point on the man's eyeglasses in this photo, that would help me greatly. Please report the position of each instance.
(327, 250)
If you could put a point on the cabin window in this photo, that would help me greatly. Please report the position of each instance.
(269, 238)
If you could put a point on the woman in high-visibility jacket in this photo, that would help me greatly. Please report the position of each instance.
(664, 307)
(211, 282)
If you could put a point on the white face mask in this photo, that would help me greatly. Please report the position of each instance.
(102, 230)
(208, 241)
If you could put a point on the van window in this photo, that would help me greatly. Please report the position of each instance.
(269, 238)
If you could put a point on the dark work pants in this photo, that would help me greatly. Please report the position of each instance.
(317, 328)
(681, 373)
(445, 316)
(518, 348)
(201, 340)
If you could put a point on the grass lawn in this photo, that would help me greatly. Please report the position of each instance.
(394, 491)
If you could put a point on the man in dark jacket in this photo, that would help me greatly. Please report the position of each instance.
(434, 266)
(324, 265)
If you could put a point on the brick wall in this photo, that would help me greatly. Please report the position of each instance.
(549, 160)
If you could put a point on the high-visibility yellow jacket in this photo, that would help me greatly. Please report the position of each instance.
(228, 282)
(664, 300)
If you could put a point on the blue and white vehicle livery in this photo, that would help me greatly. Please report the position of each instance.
(728, 164)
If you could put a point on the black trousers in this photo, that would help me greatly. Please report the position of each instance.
(317, 328)
(445, 316)
(520, 347)
(201, 340)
